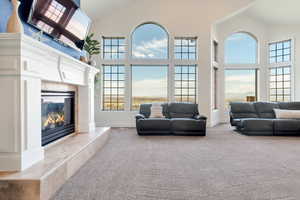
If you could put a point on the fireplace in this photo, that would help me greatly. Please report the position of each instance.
(58, 115)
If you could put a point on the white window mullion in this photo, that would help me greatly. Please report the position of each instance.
(128, 86)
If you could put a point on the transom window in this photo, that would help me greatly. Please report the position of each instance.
(150, 41)
(185, 48)
(241, 48)
(113, 87)
(113, 48)
(185, 83)
(280, 51)
(280, 84)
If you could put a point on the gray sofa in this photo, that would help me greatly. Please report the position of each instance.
(179, 119)
(259, 119)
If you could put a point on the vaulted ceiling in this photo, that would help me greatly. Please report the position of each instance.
(270, 11)
(276, 11)
(98, 9)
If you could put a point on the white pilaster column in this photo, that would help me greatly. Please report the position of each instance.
(20, 119)
(86, 112)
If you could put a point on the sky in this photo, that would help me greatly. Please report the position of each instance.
(235, 51)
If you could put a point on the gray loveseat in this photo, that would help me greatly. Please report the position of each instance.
(179, 119)
(259, 119)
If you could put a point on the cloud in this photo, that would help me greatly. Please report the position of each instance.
(151, 49)
(150, 87)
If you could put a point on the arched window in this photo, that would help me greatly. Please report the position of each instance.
(150, 41)
(241, 48)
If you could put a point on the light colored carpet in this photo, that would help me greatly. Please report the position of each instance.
(221, 166)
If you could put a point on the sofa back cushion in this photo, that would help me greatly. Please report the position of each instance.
(240, 110)
(182, 110)
(145, 109)
(266, 109)
(289, 105)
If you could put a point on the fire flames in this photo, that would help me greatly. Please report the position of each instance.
(54, 119)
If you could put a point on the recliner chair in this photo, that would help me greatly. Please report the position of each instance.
(179, 119)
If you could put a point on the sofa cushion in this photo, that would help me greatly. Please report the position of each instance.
(289, 105)
(182, 110)
(240, 110)
(289, 125)
(266, 109)
(156, 111)
(263, 125)
(287, 114)
(185, 124)
(154, 124)
(145, 109)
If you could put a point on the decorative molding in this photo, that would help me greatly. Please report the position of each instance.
(25, 63)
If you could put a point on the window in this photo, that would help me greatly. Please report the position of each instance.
(185, 48)
(215, 89)
(185, 83)
(280, 84)
(280, 51)
(55, 11)
(113, 48)
(150, 41)
(216, 50)
(113, 87)
(280, 59)
(240, 48)
(149, 85)
(241, 85)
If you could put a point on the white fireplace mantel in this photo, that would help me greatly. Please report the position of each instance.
(24, 64)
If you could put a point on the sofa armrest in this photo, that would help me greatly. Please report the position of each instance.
(200, 117)
(139, 116)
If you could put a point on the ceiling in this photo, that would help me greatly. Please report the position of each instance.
(270, 11)
(276, 11)
(98, 8)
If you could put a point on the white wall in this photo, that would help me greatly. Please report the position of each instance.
(180, 18)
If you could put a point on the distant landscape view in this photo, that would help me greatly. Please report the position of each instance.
(240, 84)
(137, 101)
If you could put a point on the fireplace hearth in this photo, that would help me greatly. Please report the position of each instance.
(58, 115)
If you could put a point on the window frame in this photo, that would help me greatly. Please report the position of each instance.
(118, 53)
(282, 64)
(103, 86)
(186, 46)
(282, 82)
(188, 81)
